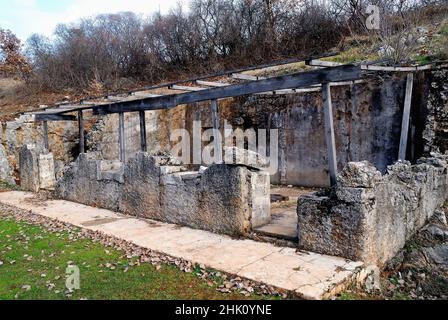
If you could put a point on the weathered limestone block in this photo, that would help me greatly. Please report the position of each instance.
(227, 199)
(223, 199)
(261, 203)
(83, 182)
(141, 191)
(315, 223)
(359, 175)
(110, 170)
(354, 195)
(436, 127)
(355, 183)
(47, 177)
(36, 169)
(29, 168)
(63, 139)
(6, 170)
(243, 157)
(370, 217)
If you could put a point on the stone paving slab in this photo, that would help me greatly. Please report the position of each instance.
(311, 275)
(283, 224)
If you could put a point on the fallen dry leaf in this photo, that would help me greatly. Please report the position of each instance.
(26, 287)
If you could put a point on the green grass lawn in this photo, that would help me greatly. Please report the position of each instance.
(33, 262)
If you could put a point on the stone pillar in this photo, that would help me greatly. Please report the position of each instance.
(36, 169)
(29, 168)
(368, 216)
(6, 169)
(47, 178)
(261, 199)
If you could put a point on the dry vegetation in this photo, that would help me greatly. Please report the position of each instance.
(119, 52)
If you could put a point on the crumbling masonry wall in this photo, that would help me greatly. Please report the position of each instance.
(229, 199)
(102, 140)
(84, 181)
(369, 216)
(29, 168)
(367, 123)
(63, 143)
(36, 169)
(435, 132)
(367, 120)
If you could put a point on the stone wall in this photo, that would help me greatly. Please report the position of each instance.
(369, 216)
(102, 140)
(36, 169)
(367, 119)
(6, 169)
(230, 199)
(91, 182)
(367, 122)
(436, 120)
(62, 137)
(29, 168)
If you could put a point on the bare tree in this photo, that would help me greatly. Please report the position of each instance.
(211, 35)
(12, 62)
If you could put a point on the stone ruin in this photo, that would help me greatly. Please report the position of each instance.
(223, 198)
(37, 169)
(375, 207)
(368, 216)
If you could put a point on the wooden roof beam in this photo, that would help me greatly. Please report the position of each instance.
(52, 110)
(116, 98)
(297, 81)
(247, 77)
(211, 83)
(54, 117)
(143, 91)
(291, 91)
(185, 88)
(91, 102)
(372, 67)
(143, 94)
(314, 88)
(320, 63)
(229, 72)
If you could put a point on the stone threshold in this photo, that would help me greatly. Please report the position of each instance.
(306, 274)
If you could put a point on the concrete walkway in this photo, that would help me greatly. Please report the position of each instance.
(311, 275)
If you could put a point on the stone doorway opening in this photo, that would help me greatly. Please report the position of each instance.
(283, 225)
